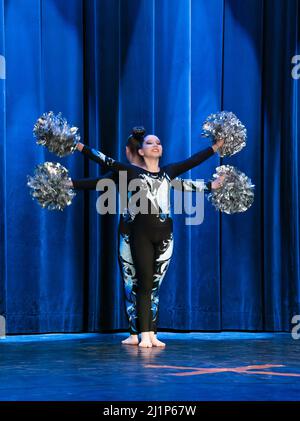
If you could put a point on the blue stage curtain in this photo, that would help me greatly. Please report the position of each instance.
(2, 166)
(109, 65)
(44, 71)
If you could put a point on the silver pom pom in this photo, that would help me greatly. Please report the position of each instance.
(236, 193)
(54, 132)
(227, 126)
(51, 186)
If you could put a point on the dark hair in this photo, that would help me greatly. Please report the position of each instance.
(136, 139)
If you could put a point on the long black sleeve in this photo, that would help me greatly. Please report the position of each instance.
(105, 161)
(173, 170)
(91, 183)
(85, 183)
(207, 187)
(191, 185)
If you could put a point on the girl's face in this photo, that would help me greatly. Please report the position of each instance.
(151, 147)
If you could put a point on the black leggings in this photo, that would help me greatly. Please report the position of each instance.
(151, 243)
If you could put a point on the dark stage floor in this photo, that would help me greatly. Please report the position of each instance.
(193, 366)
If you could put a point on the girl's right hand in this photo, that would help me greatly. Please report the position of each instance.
(69, 184)
(79, 146)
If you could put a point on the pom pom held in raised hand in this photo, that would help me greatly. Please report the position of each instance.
(236, 193)
(54, 132)
(227, 126)
(51, 186)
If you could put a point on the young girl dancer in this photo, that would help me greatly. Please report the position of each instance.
(151, 237)
(127, 268)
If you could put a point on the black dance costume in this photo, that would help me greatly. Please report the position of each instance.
(146, 240)
(127, 268)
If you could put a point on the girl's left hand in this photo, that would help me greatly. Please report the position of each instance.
(220, 143)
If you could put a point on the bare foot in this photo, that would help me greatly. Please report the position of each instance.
(145, 341)
(155, 341)
(145, 344)
(131, 340)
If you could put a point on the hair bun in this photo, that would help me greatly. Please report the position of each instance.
(138, 132)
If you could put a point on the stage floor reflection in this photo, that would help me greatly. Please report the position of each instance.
(225, 366)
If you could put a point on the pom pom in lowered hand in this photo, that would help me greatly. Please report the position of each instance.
(54, 132)
(227, 126)
(236, 193)
(51, 186)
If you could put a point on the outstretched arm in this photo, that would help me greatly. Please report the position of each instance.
(102, 159)
(191, 185)
(91, 183)
(174, 170)
(197, 185)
